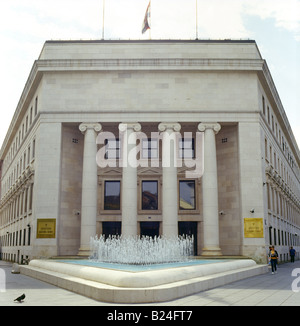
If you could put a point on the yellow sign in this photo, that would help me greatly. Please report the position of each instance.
(253, 228)
(46, 228)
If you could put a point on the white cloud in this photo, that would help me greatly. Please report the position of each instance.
(221, 19)
(52, 19)
(224, 18)
(285, 13)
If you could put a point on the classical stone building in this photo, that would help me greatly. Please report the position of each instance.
(149, 138)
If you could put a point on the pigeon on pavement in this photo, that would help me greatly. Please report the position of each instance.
(20, 298)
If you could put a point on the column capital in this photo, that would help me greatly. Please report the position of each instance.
(133, 125)
(89, 125)
(175, 126)
(216, 127)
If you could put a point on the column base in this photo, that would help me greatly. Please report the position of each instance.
(84, 252)
(211, 251)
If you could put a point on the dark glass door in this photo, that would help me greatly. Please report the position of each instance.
(150, 229)
(189, 229)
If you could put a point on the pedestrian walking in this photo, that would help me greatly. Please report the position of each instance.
(292, 254)
(273, 257)
(268, 256)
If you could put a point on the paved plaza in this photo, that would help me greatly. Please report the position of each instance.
(262, 290)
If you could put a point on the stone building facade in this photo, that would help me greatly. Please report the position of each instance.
(149, 138)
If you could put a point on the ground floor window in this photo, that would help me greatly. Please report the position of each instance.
(150, 229)
(111, 229)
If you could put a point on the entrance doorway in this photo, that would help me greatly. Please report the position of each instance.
(189, 229)
(150, 229)
(111, 228)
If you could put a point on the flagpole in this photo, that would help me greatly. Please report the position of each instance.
(196, 19)
(103, 1)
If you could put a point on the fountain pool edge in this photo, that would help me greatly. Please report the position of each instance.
(141, 287)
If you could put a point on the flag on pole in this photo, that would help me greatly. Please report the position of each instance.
(146, 22)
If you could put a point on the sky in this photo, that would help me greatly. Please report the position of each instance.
(26, 24)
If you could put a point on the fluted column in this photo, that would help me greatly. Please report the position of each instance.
(129, 178)
(89, 186)
(210, 190)
(169, 178)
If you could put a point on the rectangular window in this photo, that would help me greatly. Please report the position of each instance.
(186, 148)
(263, 104)
(36, 106)
(149, 195)
(29, 236)
(150, 148)
(28, 159)
(24, 237)
(33, 149)
(112, 195)
(187, 195)
(112, 149)
(26, 197)
(31, 197)
(30, 120)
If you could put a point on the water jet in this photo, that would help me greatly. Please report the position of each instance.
(141, 250)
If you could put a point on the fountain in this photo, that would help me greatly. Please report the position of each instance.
(141, 250)
(140, 270)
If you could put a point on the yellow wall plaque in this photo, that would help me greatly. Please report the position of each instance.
(46, 228)
(253, 228)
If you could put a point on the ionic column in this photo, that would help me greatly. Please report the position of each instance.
(89, 186)
(210, 190)
(129, 178)
(169, 178)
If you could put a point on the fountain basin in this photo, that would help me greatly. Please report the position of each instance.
(139, 267)
(119, 286)
(146, 277)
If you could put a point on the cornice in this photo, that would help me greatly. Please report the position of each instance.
(149, 64)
